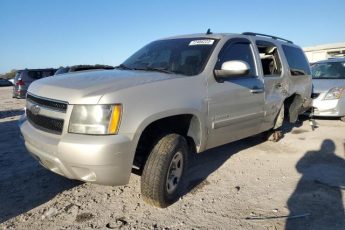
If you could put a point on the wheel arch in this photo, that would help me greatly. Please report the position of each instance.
(188, 123)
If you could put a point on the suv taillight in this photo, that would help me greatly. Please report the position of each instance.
(20, 82)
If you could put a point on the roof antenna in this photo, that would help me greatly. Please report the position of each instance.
(209, 31)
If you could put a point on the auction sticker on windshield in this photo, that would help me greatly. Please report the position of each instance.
(201, 42)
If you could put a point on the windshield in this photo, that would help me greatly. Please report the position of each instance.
(186, 56)
(328, 70)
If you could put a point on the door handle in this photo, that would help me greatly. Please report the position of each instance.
(257, 90)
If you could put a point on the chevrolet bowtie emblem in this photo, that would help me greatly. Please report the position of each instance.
(35, 109)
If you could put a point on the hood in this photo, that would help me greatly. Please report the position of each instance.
(88, 87)
(324, 85)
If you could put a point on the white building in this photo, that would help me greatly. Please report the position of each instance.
(322, 52)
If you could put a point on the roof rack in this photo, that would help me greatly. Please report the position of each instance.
(336, 57)
(266, 35)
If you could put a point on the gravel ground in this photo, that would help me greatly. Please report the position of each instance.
(297, 183)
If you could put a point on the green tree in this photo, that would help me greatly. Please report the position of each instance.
(10, 74)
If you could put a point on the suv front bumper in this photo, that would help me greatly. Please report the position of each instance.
(103, 160)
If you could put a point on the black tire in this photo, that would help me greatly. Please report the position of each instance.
(170, 151)
(275, 134)
(279, 120)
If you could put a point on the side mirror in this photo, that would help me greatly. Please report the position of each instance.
(232, 69)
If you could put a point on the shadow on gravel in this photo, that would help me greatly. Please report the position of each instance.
(318, 194)
(11, 113)
(24, 184)
(201, 165)
(288, 127)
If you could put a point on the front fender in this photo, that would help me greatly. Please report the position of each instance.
(197, 129)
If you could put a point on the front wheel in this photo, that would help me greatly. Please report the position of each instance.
(163, 174)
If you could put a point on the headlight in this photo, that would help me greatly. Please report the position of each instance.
(95, 119)
(334, 93)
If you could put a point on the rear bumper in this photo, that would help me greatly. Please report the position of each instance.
(19, 93)
(98, 159)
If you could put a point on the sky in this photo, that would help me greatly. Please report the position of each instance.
(44, 34)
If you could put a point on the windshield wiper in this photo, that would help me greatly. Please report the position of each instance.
(122, 66)
(150, 68)
(146, 68)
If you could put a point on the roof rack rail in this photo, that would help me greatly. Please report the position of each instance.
(266, 35)
(337, 57)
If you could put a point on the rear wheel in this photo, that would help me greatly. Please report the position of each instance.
(279, 121)
(163, 174)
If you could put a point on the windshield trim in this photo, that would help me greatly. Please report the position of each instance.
(209, 56)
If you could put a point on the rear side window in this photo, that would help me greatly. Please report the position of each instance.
(47, 73)
(297, 62)
(35, 74)
(38, 74)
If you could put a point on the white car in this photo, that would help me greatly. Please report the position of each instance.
(329, 88)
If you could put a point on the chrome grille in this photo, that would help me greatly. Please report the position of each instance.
(48, 103)
(46, 114)
(48, 124)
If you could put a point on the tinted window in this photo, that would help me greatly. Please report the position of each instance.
(238, 51)
(47, 73)
(185, 56)
(328, 70)
(35, 74)
(296, 60)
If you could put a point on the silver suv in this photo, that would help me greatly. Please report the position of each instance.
(172, 97)
(25, 77)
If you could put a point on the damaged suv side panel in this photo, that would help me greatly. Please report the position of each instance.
(259, 96)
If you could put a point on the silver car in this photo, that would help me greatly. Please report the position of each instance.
(329, 86)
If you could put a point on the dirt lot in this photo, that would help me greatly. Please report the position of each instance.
(297, 183)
